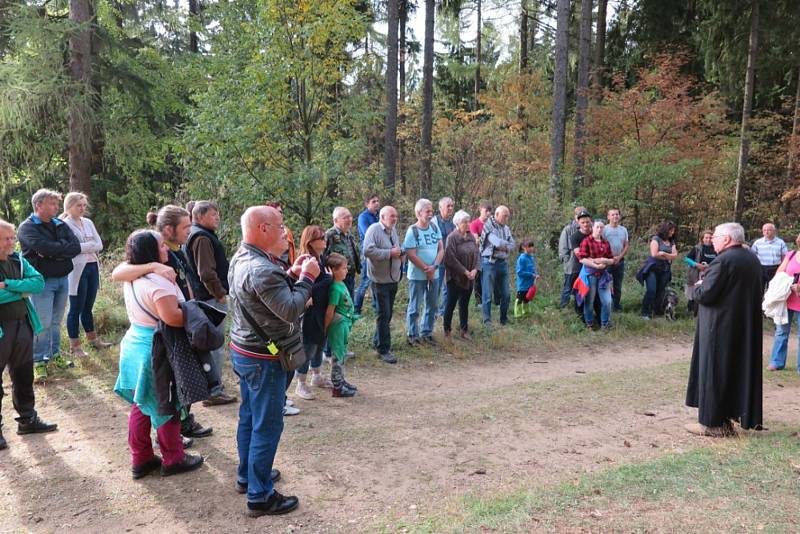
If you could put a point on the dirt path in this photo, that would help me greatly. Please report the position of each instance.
(417, 435)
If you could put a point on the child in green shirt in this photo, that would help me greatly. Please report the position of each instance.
(338, 321)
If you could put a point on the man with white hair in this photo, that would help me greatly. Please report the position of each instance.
(444, 220)
(423, 244)
(496, 244)
(49, 245)
(384, 258)
(725, 374)
(770, 250)
(340, 239)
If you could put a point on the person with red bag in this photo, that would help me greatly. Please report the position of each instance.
(526, 278)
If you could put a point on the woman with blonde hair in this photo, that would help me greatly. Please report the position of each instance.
(84, 280)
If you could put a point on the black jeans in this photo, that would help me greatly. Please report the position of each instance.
(617, 273)
(383, 295)
(457, 295)
(767, 273)
(16, 353)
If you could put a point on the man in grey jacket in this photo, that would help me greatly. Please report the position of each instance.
(571, 265)
(383, 253)
(276, 300)
(496, 245)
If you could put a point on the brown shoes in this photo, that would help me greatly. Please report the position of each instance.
(218, 400)
(724, 431)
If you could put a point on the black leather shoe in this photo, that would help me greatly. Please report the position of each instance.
(35, 426)
(140, 471)
(388, 357)
(274, 475)
(190, 463)
(195, 430)
(277, 504)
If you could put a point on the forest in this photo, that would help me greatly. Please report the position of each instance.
(687, 110)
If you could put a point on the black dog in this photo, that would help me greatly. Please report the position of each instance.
(670, 303)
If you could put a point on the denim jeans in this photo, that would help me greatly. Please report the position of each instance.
(218, 355)
(441, 297)
(361, 290)
(263, 388)
(618, 274)
(419, 292)
(605, 302)
(313, 358)
(50, 305)
(655, 283)
(383, 295)
(781, 344)
(495, 278)
(80, 305)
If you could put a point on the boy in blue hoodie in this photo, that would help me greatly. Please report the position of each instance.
(526, 278)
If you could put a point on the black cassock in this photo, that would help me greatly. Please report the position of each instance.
(725, 376)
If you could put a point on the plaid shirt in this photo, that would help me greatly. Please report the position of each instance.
(590, 248)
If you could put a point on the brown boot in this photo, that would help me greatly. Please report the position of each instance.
(75, 348)
(96, 342)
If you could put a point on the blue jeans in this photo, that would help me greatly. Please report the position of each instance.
(218, 355)
(441, 296)
(50, 304)
(781, 344)
(361, 290)
(80, 305)
(263, 387)
(419, 292)
(618, 274)
(495, 278)
(655, 284)
(313, 357)
(605, 302)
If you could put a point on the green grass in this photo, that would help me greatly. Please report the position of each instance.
(743, 484)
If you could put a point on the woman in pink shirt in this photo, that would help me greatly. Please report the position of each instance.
(791, 266)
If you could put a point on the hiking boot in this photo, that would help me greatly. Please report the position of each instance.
(75, 348)
(219, 400)
(190, 462)
(241, 488)
(35, 425)
(62, 363)
(277, 504)
(192, 429)
(349, 385)
(319, 381)
(343, 391)
(388, 357)
(141, 471)
(40, 373)
(303, 391)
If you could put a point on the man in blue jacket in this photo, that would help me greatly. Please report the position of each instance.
(49, 246)
(18, 319)
(366, 218)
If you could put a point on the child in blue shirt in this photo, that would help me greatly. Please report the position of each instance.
(526, 278)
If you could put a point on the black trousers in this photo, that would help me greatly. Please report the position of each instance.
(383, 295)
(16, 353)
(457, 295)
(767, 273)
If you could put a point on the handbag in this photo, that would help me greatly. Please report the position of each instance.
(292, 356)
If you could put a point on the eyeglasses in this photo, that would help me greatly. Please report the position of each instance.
(281, 226)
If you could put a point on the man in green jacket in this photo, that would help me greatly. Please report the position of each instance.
(18, 323)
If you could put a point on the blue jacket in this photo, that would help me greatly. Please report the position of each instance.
(526, 271)
(365, 219)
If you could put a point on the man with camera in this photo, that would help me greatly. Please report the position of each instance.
(267, 304)
(384, 257)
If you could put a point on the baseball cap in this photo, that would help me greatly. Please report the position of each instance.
(583, 214)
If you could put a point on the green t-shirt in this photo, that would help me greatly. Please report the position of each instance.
(339, 297)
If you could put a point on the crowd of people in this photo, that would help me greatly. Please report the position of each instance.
(292, 305)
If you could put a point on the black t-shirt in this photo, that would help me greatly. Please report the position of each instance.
(577, 239)
(707, 254)
(314, 317)
(180, 264)
(17, 309)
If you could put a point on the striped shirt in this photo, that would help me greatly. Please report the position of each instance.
(769, 252)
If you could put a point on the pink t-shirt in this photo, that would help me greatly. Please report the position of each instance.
(476, 227)
(149, 289)
(793, 268)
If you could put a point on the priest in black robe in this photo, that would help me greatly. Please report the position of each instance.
(725, 376)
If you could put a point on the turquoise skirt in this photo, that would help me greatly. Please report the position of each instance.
(135, 380)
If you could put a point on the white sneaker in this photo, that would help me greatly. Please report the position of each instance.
(303, 391)
(290, 410)
(319, 381)
(289, 402)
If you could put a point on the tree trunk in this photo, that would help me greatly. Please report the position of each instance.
(194, 14)
(747, 109)
(403, 8)
(582, 95)
(80, 136)
(795, 127)
(559, 124)
(533, 20)
(478, 58)
(523, 37)
(600, 51)
(390, 135)
(427, 99)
